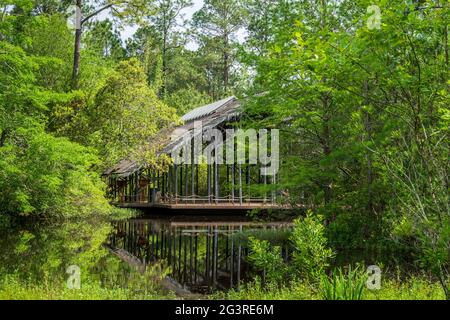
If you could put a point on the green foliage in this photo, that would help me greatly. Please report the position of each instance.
(343, 285)
(311, 255)
(44, 175)
(12, 288)
(268, 259)
(255, 290)
(35, 256)
(184, 100)
(126, 114)
(216, 25)
(415, 288)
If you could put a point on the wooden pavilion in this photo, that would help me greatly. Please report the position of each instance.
(193, 184)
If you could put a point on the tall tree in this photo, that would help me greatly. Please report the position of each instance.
(84, 13)
(165, 22)
(126, 114)
(216, 25)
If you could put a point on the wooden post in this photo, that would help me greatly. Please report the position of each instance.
(181, 181)
(137, 187)
(153, 187)
(216, 179)
(175, 167)
(186, 182)
(209, 182)
(193, 167)
(196, 180)
(149, 195)
(228, 178)
(273, 191)
(265, 184)
(247, 171)
(240, 183)
(232, 182)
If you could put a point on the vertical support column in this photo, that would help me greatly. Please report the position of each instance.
(216, 178)
(265, 184)
(153, 187)
(232, 182)
(247, 178)
(169, 184)
(274, 180)
(186, 182)
(137, 187)
(240, 183)
(197, 192)
(228, 179)
(163, 185)
(148, 189)
(208, 178)
(193, 168)
(181, 181)
(175, 168)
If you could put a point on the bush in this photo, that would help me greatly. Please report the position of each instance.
(268, 259)
(311, 253)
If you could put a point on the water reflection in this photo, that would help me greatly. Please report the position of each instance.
(204, 254)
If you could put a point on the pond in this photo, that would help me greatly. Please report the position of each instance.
(201, 253)
(204, 253)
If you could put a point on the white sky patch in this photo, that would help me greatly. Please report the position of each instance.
(127, 31)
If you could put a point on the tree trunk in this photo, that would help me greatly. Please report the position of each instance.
(76, 52)
(79, 25)
(76, 59)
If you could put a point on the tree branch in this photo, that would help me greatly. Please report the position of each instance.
(93, 14)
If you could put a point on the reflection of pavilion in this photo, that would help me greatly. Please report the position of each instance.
(203, 255)
(194, 184)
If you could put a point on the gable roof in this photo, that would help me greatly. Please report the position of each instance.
(206, 110)
(211, 115)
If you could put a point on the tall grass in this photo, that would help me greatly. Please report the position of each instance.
(343, 285)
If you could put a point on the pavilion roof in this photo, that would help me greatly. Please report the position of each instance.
(210, 115)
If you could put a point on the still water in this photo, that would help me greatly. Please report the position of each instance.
(203, 253)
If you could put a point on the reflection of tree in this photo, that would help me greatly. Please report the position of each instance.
(38, 252)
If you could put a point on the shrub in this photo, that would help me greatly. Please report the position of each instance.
(311, 253)
(268, 259)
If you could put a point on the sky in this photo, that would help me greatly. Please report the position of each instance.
(186, 13)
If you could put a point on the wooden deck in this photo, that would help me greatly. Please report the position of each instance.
(200, 206)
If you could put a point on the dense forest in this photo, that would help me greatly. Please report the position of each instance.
(361, 101)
